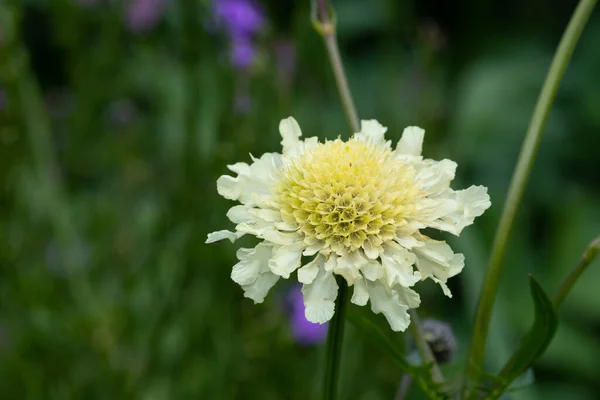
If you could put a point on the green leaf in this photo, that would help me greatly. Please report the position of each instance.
(421, 374)
(533, 344)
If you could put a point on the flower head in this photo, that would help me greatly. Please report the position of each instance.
(355, 209)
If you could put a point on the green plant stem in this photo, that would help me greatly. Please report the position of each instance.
(519, 181)
(335, 338)
(588, 256)
(326, 28)
(423, 347)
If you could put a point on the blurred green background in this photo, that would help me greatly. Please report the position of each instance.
(116, 121)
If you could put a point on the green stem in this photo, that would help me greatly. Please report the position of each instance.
(590, 254)
(325, 26)
(335, 338)
(519, 181)
(423, 347)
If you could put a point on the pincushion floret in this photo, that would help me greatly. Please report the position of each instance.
(352, 208)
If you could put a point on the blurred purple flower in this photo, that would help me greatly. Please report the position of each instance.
(142, 15)
(239, 17)
(240, 20)
(242, 53)
(305, 332)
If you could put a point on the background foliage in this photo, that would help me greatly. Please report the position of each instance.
(112, 137)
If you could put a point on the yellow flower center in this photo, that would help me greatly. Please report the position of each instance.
(347, 194)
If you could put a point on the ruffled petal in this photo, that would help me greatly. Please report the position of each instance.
(251, 264)
(290, 132)
(436, 260)
(360, 296)
(254, 182)
(387, 301)
(397, 263)
(308, 273)
(223, 234)
(468, 204)
(408, 296)
(411, 142)
(436, 177)
(349, 266)
(259, 289)
(286, 259)
(371, 130)
(319, 297)
(252, 272)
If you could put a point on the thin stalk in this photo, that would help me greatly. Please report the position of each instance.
(423, 347)
(590, 254)
(519, 181)
(325, 26)
(335, 338)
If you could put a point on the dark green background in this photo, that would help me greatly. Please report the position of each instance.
(111, 143)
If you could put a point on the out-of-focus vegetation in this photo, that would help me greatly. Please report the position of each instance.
(112, 135)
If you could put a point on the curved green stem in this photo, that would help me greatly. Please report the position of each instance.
(423, 347)
(335, 338)
(519, 181)
(590, 254)
(325, 26)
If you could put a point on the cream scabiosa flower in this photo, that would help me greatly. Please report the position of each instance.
(353, 209)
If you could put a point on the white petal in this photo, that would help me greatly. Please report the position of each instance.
(436, 177)
(290, 132)
(466, 206)
(259, 289)
(240, 214)
(436, 259)
(360, 296)
(372, 270)
(239, 168)
(408, 296)
(224, 234)
(371, 130)
(319, 297)
(331, 263)
(251, 264)
(406, 241)
(371, 251)
(348, 266)
(254, 182)
(228, 187)
(281, 238)
(397, 263)
(308, 273)
(385, 300)
(266, 214)
(411, 142)
(314, 248)
(286, 259)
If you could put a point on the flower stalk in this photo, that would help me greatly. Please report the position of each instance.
(590, 254)
(333, 346)
(423, 347)
(519, 181)
(326, 27)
